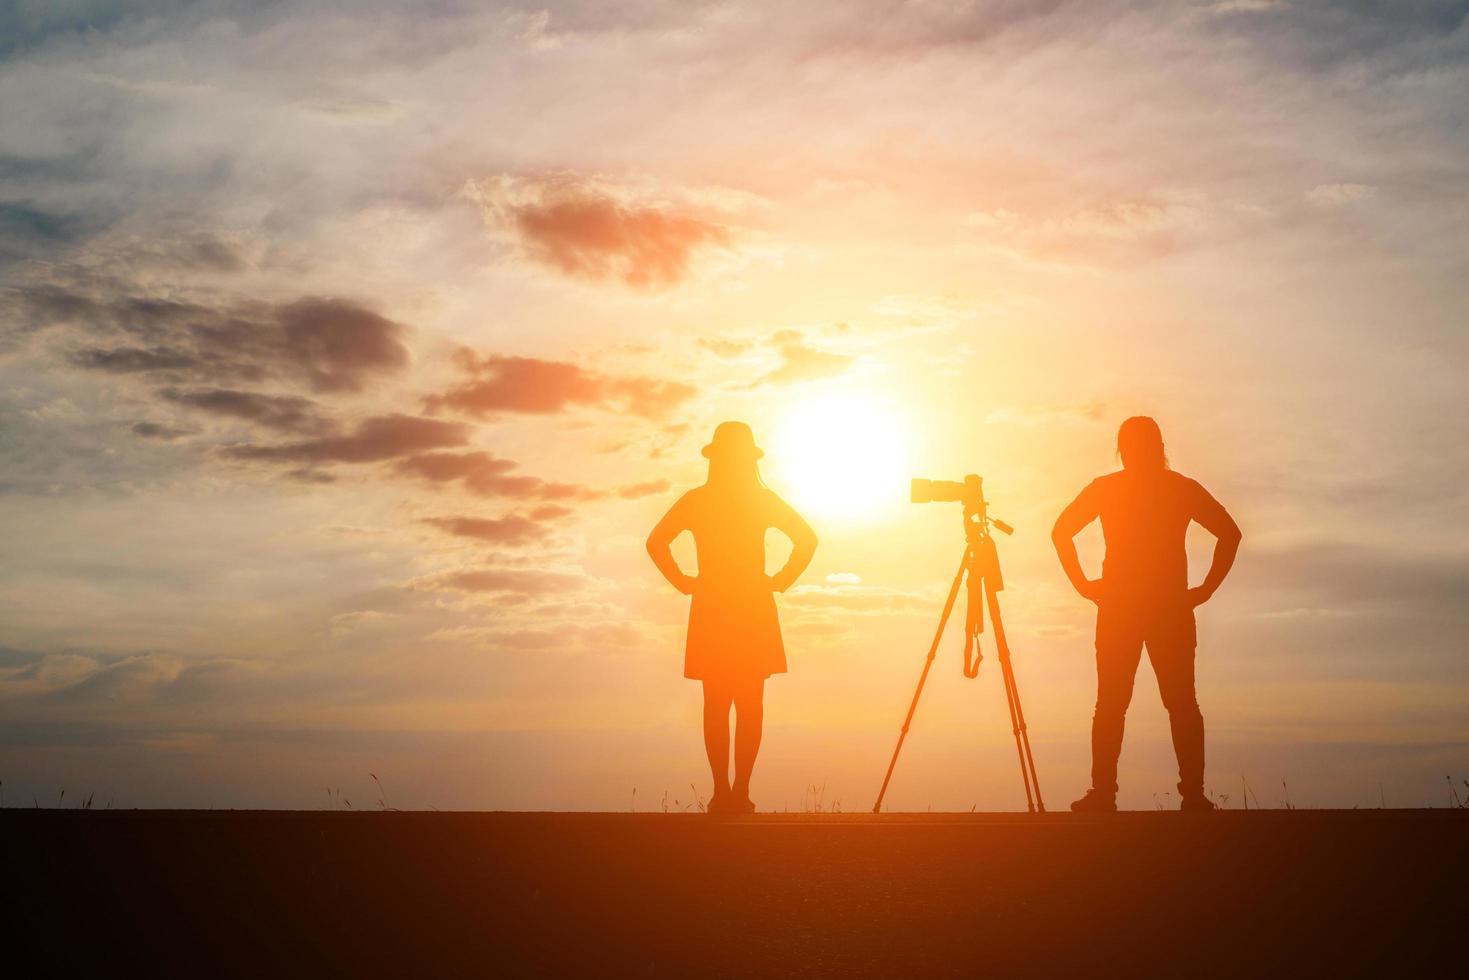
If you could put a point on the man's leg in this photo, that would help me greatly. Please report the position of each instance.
(717, 698)
(1119, 650)
(1171, 650)
(749, 699)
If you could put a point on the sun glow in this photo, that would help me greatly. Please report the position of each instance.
(841, 455)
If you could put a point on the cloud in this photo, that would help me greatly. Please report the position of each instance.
(374, 440)
(1339, 195)
(486, 475)
(519, 580)
(855, 598)
(333, 345)
(632, 491)
(1122, 230)
(1342, 575)
(587, 229)
(531, 385)
(26, 231)
(725, 347)
(795, 360)
(284, 413)
(801, 362)
(356, 111)
(513, 529)
(156, 430)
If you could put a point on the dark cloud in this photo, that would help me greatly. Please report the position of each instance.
(27, 231)
(1350, 576)
(156, 430)
(209, 252)
(1400, 35)
(343, 344)
(333, 345)
(284, 413)
(500, 383)
(513, 529)
(579, 228)
(310, 476)
(29, 25)
(374, 440)
(486, 475)
(139, 360)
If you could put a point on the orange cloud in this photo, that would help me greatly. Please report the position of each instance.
(513, 529)
(583, 228)
(801, 362)
(635, 490)
(526, 581)
(486, 475)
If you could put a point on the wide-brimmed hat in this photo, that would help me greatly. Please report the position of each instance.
(733, 439)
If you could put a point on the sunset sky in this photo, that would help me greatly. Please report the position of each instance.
(348, 352)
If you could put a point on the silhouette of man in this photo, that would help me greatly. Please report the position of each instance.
(1143, 598)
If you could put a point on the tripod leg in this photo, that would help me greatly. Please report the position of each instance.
(923, 677)
(1017, 715)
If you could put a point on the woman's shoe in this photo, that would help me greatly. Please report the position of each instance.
(720, 802)
(743, 804)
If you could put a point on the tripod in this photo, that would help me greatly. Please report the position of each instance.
(981, 566)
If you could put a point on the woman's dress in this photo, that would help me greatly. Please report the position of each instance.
(734, 633)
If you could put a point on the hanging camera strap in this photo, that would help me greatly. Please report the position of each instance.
(973, 617)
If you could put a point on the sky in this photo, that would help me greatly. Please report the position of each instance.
(348, 352)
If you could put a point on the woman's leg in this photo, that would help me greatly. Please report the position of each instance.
(717, 698)
(749, 700)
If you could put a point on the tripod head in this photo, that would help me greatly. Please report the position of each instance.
(970, 493)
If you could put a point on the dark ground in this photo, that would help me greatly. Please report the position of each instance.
(1266, 893)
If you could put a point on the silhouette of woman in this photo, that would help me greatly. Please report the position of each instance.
(734, 640)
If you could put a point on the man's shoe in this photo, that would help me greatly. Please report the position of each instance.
(1095, 802)
(1197, 803)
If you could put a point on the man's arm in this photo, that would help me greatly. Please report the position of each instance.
(1212, 516)
(671, 526)
(803, 544)
(1077, 515)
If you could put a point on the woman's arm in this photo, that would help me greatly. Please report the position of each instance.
(674, 523)
(803, 544)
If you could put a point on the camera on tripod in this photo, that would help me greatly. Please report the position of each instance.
(980, 569)
(970, 493)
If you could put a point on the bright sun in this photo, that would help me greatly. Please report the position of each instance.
(840, 455)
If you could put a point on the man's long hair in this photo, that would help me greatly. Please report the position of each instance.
(1140, 444)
